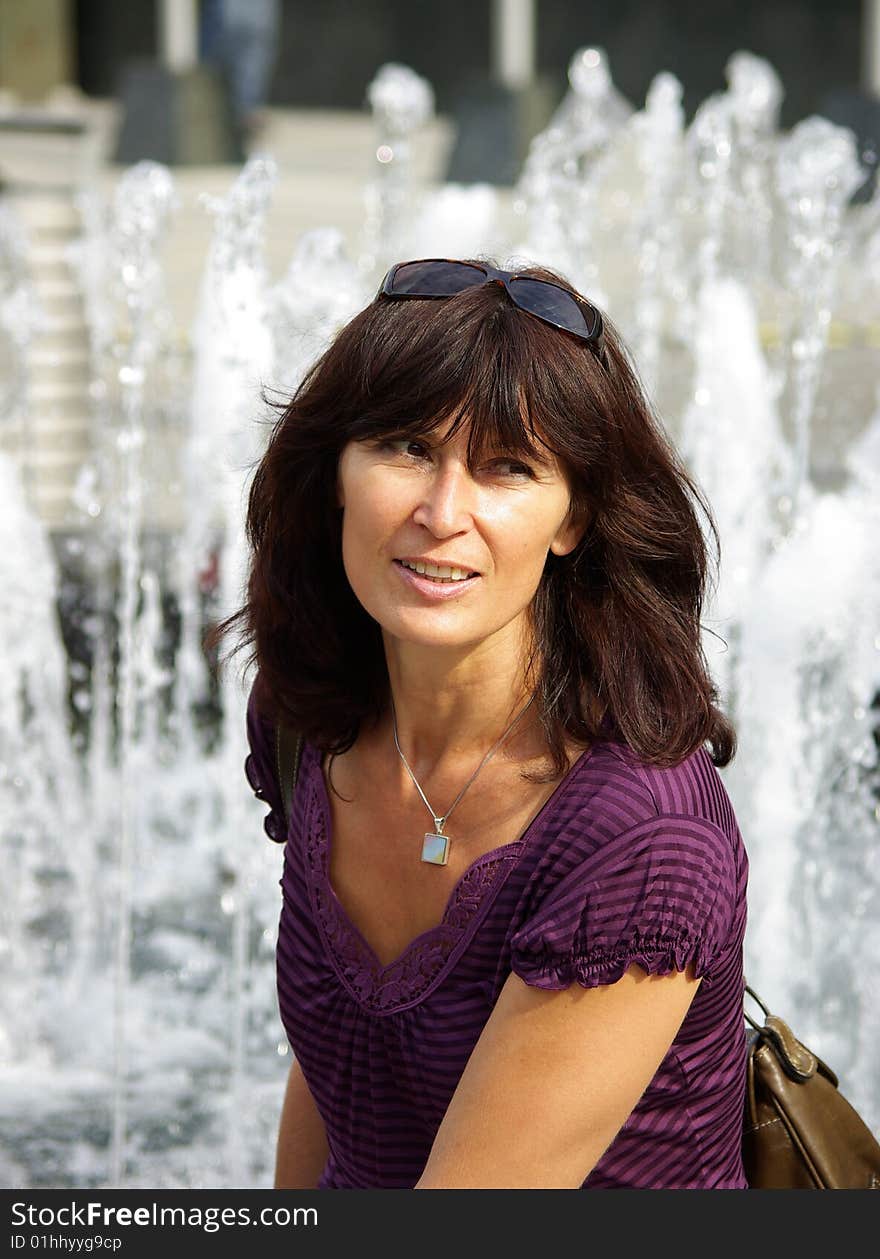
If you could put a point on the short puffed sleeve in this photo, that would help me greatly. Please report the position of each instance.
(662, 894)
(259, 768)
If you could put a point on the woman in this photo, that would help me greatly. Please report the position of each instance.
(510, 944)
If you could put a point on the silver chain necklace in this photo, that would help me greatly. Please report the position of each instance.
(435, 845)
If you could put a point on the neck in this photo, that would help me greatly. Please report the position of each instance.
(452, 708)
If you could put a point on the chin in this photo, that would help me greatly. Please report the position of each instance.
(437, 638)
(414, 630)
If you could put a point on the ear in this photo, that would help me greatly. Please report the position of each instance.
(569, 534)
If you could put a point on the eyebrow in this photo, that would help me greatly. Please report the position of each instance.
(539, 459)
(543, 460)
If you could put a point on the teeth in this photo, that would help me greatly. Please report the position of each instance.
(438, 571)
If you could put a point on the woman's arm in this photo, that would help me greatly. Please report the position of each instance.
(552, 1079)
(302, 1139)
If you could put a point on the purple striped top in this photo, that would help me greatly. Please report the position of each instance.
(623, 863)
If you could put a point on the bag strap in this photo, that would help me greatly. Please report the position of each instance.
(797, 1061)
(288, 754)
(751, 993)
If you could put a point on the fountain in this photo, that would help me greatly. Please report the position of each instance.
(139, 1039)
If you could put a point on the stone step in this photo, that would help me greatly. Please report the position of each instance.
(54, 462)
(39, 163)
(49, 261)
(67, 438)
(58, 292)
(48, 392)
(76, 418)
(68, 308)
(53, 504)
(46, 253)
(59, 333)
(47, 217)
(67, 363)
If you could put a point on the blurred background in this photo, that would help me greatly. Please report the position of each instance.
(194, 196)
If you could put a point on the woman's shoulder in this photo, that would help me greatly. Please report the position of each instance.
(617, 779)
(639, 869)
(260, 765)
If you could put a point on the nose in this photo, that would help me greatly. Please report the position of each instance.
(447, 502)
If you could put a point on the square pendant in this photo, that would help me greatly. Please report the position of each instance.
(435, 849)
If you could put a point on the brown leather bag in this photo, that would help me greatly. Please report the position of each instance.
(800, 1132)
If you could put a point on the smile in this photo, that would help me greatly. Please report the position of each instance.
(440, 572)
(436, 587)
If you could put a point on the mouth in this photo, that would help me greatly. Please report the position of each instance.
(445, 572)
(437, 587)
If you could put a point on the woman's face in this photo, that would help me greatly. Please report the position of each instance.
(416, 500)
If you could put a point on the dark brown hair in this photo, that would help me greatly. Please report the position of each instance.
(616, 622)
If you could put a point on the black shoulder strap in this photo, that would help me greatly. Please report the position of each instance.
(288, 752)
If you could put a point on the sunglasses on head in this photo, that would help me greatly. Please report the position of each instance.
(444, 277)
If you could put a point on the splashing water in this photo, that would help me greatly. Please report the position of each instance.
(139, 1037)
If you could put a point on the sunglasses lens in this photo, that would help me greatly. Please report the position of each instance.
(435, 278)
(554, 304)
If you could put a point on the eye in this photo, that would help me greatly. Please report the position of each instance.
(400, 445)
(515, 467)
